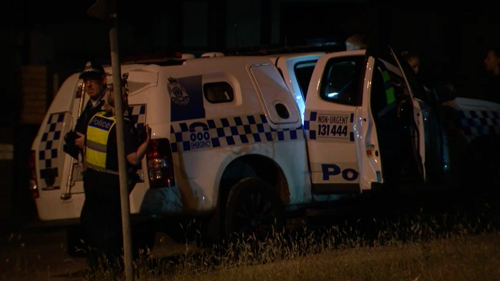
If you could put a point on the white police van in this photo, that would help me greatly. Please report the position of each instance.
(238, 140)
(453, 140)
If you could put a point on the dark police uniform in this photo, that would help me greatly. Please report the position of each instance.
(101, 212)
(94, 71)
(91, 71)
(88, 112)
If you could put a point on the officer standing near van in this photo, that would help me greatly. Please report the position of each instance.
(101, 212)
(94, 79)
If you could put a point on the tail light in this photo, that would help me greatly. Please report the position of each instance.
(32, 170)
(160, 167)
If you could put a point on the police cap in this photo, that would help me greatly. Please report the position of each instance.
(93, 71)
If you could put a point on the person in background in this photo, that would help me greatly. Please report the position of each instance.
(101, 212)
(413, 60)
(492, 61)
(491, 85)
(356, 42)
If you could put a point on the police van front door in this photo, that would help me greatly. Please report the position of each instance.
(333, 123)
(415, 121)
(397, 120)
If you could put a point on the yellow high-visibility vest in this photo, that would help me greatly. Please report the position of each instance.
(389, 89)
(97, 142)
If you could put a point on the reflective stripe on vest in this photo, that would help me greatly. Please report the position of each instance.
(97, 140)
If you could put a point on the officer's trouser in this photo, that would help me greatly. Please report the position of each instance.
(101, 217)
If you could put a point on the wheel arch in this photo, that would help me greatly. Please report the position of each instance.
(257, 166)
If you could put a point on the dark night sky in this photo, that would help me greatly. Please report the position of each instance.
(451, 38)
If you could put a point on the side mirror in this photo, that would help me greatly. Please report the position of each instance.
(445, 91)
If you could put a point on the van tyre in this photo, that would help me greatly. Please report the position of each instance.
(253, 208)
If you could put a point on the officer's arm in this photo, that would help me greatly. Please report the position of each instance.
(135, 158)
(80, 126)
(80, 140)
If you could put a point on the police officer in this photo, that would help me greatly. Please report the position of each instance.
(94, 78)
(101, 212)
(491, 84)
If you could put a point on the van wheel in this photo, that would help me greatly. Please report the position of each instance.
(253, 208)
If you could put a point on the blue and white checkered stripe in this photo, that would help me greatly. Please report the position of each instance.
(48, 151)
(138, 115)
(225, 132)
(311, 133)
(479, 122)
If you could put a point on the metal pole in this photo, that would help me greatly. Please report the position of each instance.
(122, 165)
(67, 194)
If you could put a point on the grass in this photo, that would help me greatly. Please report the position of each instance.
(458, 258)
(422, 247)
(445, 247)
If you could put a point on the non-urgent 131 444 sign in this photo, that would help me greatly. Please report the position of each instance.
(331, 126)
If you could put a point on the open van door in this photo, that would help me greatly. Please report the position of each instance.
(415, 121)
(356, 134)
(333, 123)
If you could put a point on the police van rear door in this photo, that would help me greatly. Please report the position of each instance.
(338, 125)
(278, 103)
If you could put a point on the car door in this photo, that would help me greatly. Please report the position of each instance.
(334, 126)
(353, 123)
(415, 122)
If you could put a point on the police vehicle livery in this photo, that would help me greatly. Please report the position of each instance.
(277, 132)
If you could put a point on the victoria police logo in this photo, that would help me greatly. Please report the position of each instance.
(178, 94)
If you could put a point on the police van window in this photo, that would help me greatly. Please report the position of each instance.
(341, 80)
(303, 72)
(218, 92)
